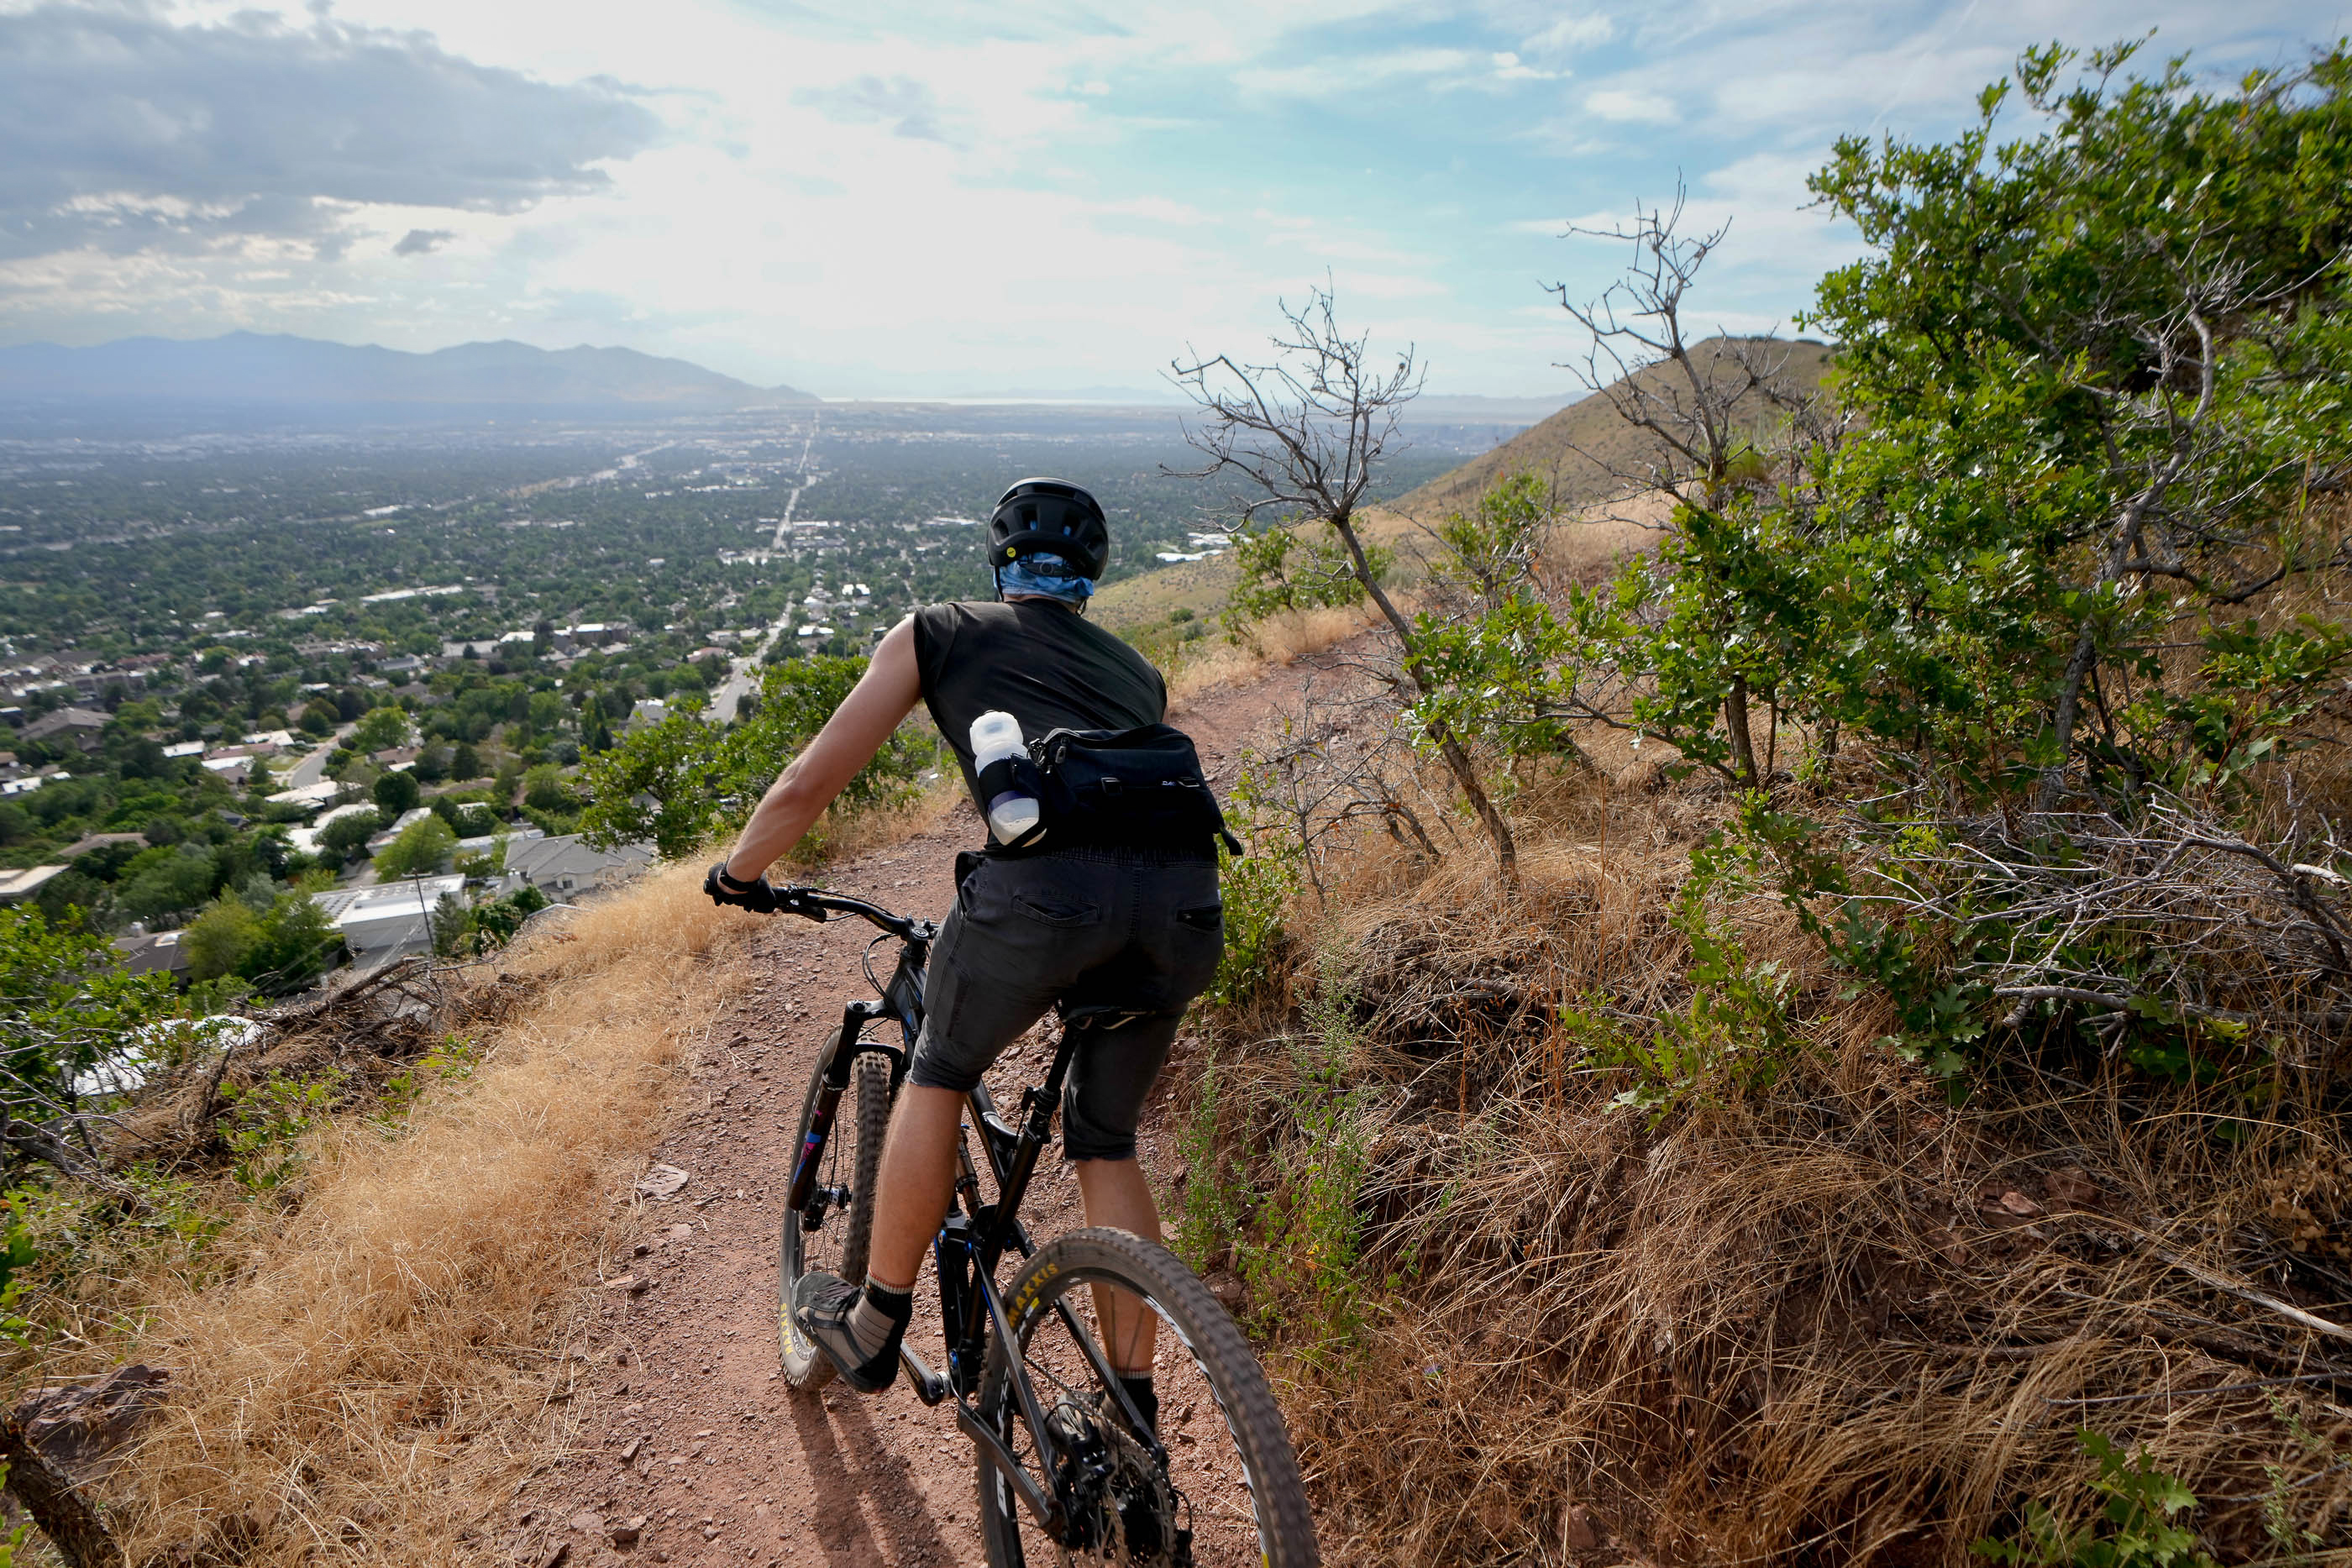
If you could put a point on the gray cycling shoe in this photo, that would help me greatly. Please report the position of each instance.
(822, 1303)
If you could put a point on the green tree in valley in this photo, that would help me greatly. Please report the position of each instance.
(422, 848)
(396, 792)
(382, 729)
(218, 939)
(676, 782)
(348, 834)
(659, 786)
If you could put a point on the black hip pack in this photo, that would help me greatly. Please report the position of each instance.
(1112, 787)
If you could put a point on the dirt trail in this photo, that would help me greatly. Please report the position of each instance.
(685, 1420)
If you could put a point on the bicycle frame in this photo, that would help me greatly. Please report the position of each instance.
(976, 1236)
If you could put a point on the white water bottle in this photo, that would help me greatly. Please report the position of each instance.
(996, 735)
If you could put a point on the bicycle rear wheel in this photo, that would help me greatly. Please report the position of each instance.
(833, 1234)
(1229, 1493)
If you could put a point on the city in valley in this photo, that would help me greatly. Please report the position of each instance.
(333, 681)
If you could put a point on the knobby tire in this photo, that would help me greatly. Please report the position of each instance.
(854, 1147)
(1243, 1415)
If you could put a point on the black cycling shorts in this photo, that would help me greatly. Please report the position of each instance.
(1135, 930)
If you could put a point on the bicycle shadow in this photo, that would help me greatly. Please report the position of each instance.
(853, 1464)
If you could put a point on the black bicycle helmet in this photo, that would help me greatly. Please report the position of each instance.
(1054, 516)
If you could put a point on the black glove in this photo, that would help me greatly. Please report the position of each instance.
(755, 895)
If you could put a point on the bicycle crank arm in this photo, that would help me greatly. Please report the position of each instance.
(929, 1386)
(1043, 1509)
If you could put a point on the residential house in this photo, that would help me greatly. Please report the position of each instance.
(25, 784)
(310, 797)
(79, 727)
(144, 954)
(93, 683)
(591, 635)
(565, 867)
(16, 887)
(82, 846)
(390, 920)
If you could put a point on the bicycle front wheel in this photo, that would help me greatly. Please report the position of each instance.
(832, 1233)
(1229, 1493)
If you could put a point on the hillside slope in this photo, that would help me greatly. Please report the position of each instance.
(1585, 447)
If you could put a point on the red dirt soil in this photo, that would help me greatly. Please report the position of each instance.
(685, 1421)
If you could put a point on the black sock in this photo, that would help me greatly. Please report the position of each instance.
(1141, 1395)
(880, 1317)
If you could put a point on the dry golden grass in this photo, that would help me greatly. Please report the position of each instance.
(1841, 1322)
(1274, 642)
(841, 838)
(368, 1376)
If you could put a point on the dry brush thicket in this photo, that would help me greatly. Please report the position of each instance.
(1906, 1116)
(1844, 1320)
(369, 1342)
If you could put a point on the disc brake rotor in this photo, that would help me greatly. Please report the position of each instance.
(1119, 1502)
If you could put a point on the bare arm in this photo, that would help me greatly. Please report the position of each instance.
(887, 693)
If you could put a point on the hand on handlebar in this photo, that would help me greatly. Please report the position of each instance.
(755, 895)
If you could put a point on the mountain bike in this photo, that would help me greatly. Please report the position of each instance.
(1067, 1468)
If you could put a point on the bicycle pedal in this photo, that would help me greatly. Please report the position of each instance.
(929, 1386)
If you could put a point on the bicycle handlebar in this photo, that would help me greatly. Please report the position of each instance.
(816, 903)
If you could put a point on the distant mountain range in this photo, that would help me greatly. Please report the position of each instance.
(254, 368)
(1430, 408)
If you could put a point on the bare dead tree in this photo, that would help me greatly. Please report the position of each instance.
(1305, 435)
(1343, 759)
(1698, 401)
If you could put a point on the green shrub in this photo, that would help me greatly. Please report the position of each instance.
(1275, 1151)
(265, 1126)
(1736, 1032)
(65, 1004)
(2135, 1530)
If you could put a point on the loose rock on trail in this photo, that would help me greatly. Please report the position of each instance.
(692, 1449)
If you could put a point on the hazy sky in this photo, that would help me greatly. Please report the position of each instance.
(900, 197)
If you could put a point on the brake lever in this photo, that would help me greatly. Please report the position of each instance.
(800, 901)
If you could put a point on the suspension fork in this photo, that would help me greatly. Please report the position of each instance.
(840, 1056)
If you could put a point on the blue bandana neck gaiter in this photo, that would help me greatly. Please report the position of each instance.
(1038, 573)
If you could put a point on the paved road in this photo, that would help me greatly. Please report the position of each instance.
(313, 768)
(743, 676)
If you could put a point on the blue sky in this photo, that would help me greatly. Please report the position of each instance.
(901, 199)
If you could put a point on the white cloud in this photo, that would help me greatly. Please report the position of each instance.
(929, 195)
(1626, 104)
(1570, 35)
(1355, 73)
(1158, 210)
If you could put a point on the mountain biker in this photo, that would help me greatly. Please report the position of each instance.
(1131, 929)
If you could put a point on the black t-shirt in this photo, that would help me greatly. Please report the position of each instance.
(1042, 663)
